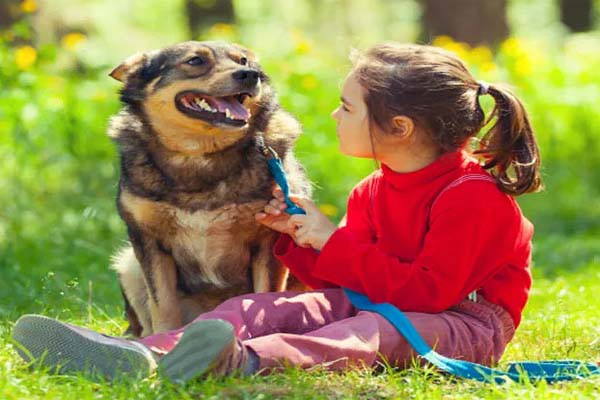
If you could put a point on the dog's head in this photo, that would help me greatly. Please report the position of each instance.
(195, 93)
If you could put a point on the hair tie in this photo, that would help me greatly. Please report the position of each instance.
(484, 88)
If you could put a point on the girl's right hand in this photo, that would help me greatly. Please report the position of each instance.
(274, 215)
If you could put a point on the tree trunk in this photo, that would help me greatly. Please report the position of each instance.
(476, 22)
(577, 14)
(202, 14)
(10, 12)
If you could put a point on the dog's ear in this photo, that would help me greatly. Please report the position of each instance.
(132, 63)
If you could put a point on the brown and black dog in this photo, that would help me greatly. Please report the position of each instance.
(192, 179)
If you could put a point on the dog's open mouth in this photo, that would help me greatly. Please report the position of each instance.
(228, 110)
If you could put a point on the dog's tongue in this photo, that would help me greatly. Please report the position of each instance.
(238, 111)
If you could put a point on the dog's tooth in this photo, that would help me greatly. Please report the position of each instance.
(203, 104)
(199, 102)
(228, 113)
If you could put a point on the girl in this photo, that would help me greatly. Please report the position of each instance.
(434, 232)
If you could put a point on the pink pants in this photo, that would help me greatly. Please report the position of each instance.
(323, 328)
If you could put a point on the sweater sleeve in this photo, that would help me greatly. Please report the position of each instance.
(474, 229)
(300, 261)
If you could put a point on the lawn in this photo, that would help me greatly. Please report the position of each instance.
(561, 321)
(59, 225)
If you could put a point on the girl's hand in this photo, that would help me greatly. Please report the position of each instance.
(274, 216)
(313, 229)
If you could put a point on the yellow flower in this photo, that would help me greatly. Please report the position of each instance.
(28, 6)
(511, 46)
(222, 30)
(25, 57)
(461, 49)
(329, 209)
(481, 55)
(488, 67)
(72, 41)
(309, 82)
(442, 41)
(302, 45)
(524, 66)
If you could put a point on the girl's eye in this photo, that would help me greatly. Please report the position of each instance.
(195, 61)
(344, 107)
(243, 61)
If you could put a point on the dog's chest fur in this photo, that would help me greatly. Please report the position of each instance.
(210, 248)
(199, 210)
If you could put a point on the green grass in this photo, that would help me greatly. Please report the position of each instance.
(59, 226)
(561, 321)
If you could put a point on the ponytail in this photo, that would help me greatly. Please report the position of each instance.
(509, 148)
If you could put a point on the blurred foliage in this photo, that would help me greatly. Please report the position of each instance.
(58, 223)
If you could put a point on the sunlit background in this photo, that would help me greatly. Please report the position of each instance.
(58, 169)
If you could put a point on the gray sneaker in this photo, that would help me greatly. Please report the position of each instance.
(208, 346)
(68, 349)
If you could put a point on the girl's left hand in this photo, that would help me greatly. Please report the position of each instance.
(313, 229)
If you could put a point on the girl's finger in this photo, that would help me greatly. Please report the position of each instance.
(292, 225)
(275, 203)
(301, 232)
(301, 241)
(298, 219)
(278, 204)
(260, 215)
(269, 209)
(278, 193)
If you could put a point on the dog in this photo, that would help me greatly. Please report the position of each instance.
(192, 178)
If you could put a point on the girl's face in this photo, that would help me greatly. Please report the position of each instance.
(353, 121)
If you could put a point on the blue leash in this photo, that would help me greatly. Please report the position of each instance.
(549, 371)
(276, 169)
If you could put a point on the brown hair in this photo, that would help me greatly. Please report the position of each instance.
(434, 88)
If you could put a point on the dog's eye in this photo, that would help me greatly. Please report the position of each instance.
(195, 61)
(243, 61)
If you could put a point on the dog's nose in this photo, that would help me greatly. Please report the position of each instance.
(247, 76)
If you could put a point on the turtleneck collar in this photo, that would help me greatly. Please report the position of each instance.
(444, 164)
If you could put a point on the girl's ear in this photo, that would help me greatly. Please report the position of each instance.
(402, 126)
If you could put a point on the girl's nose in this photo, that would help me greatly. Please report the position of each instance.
(334, 113)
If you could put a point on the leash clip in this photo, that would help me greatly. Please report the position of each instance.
(269, 152)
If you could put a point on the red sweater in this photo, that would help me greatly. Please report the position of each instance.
(424, 240)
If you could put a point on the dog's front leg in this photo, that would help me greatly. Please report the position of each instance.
(268, 274)
(160, 275)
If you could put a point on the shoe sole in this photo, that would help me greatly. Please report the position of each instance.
(63, 350)
(200, 346)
